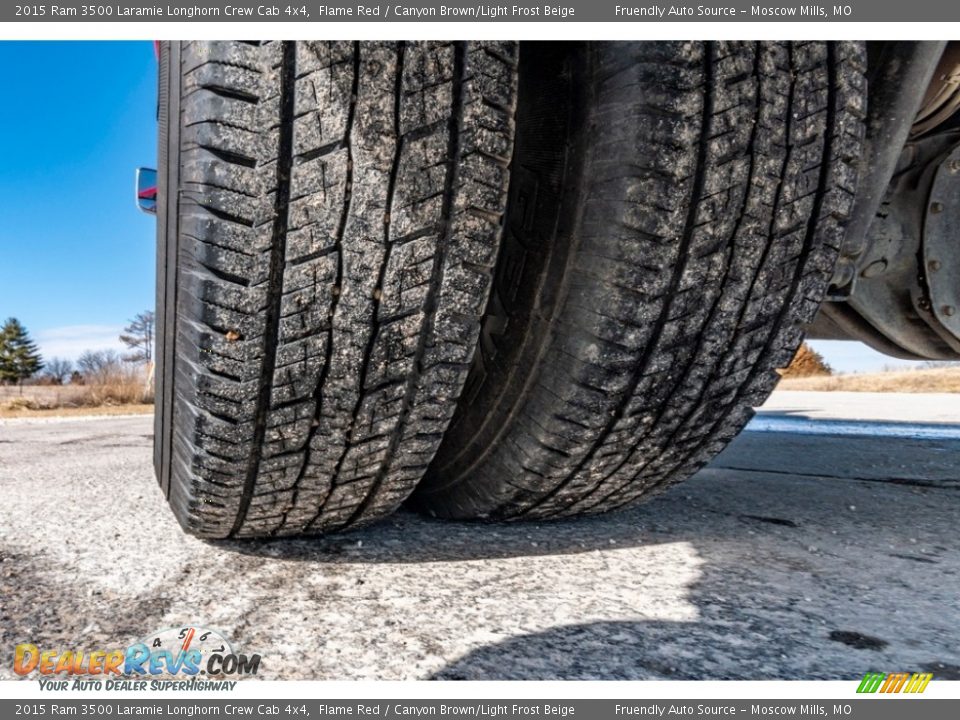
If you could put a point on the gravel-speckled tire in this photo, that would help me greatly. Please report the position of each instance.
(675, 213)
(329, 219)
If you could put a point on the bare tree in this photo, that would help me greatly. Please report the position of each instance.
(58, 370)
(138, 336)
(98, 365)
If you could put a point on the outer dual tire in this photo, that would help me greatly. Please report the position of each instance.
(330, 220)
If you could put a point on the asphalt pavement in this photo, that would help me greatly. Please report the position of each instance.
(795, 555)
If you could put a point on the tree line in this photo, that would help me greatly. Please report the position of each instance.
(20, 358)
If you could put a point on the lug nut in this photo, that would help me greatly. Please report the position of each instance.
(949, 310)
(953, 167)
(936, 207)
(934, 265)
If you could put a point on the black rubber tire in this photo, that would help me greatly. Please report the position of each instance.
(330, 214)
(675, 214)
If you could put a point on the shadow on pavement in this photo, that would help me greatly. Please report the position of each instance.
(670, 651)
(411, 538)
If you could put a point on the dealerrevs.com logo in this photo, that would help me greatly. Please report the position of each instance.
(188, 653)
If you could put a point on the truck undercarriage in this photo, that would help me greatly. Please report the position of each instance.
(897, 285)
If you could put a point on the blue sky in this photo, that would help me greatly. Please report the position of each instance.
(76, 257)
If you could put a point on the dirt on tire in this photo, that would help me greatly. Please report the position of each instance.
(332, 217)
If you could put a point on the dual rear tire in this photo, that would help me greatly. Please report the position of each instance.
(334, 216)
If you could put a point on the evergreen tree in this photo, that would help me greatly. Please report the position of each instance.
(19, 357)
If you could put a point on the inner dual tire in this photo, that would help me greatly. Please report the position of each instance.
(331, 222)
(676, 210)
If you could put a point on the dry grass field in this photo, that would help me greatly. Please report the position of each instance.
(105, 410)
(930, 380)
(121, 397)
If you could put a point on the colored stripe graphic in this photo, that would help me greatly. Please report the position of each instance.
(918, 683)
(871, 682)
(894, 682)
